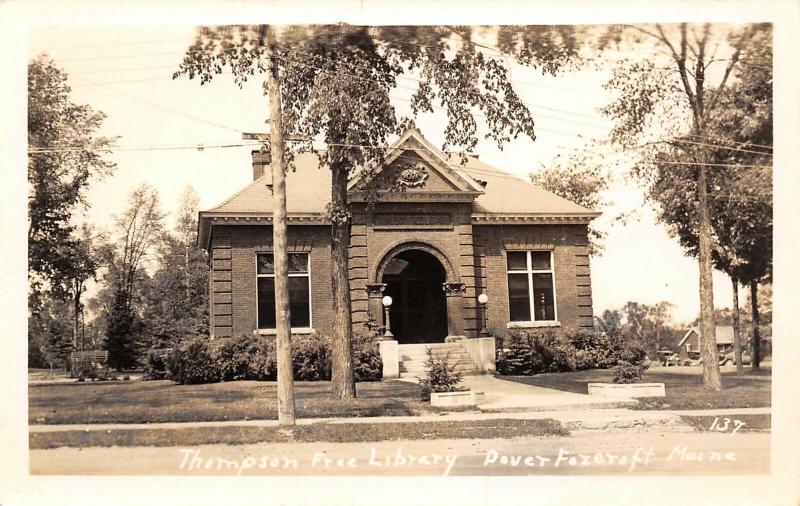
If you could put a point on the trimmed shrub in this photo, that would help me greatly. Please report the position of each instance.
(311, 358)
(254, 357)
(246, 357)
(440, 376)
(193, 363)
(595, 350)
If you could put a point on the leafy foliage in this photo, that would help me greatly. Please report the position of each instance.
(440, 376)
(681, 117)
(253, 357)
(335, 85)
(581, 180)
(120, 341)
(175, 304)
(524, 353)
(626, 372)
(65, 154)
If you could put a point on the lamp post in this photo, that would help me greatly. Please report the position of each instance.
(387, 303)
(483, 299)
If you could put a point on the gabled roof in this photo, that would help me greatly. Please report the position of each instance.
(413, 140)
(495, 194)
(724, 334)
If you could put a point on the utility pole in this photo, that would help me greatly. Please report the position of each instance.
(283, 336)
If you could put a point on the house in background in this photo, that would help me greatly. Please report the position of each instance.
(441, 234)
(690, 342)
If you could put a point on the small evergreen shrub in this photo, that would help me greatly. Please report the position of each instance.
(440, 376)
(632, 364)
(531, 353)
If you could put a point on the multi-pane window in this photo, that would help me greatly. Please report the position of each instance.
(531, 288)
(299, 290)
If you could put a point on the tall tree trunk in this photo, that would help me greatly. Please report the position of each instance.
(756, 335)
(343, 382)
(708, 345)
(283, 336)
(737, 333)
(76, 313)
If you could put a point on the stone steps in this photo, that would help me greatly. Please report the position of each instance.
(413, 357)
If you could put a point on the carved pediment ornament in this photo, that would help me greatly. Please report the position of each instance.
(413, 175)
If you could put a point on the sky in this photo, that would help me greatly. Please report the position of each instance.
(126, 73)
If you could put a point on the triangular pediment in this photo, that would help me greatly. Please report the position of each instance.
(414, 166)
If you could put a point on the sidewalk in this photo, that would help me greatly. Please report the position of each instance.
(509, 396)
(589, 419)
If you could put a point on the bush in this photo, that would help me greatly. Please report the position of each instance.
(595, 350)
(156, 365)
(254, 357)
(440, 376)
(626, 372)
(193, 363)
(633, 353)
(367, 363)
(534, 353)
(246, 357)
(311, 358)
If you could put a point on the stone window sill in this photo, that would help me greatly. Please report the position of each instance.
(295, 330)
(534, 324)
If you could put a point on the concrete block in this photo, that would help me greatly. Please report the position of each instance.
(629, 390)
(466, 398)
(390, 356)
(482, 352)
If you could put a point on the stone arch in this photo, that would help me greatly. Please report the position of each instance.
(451, 275)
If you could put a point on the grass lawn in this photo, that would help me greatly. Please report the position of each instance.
(165, 401)
(684, 390)
(320, 432)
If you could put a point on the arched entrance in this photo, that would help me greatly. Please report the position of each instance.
(413, 280)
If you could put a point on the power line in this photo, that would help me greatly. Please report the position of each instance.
(733, 142)
(153, 105)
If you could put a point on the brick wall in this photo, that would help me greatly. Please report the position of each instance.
(571, 260)
(476, 253)
(235, 276)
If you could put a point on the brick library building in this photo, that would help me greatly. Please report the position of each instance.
(464, 252)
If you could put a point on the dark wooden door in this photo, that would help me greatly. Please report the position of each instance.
(419, 309)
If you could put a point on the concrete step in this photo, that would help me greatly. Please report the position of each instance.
(423, 358)
(474, 372)
(421, 368)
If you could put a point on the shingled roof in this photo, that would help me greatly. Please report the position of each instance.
(500, 195)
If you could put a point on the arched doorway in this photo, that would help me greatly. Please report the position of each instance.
(414, 280)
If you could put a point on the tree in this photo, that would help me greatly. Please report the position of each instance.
(336, 84)
(64, 154)
(648, 324)
(740, 200)
(666, 100)
(137, 230)
(579, 179)
(176, 298)
(610, 322)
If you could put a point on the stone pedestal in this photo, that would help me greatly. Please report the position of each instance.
(455, 311)
(390, 356)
